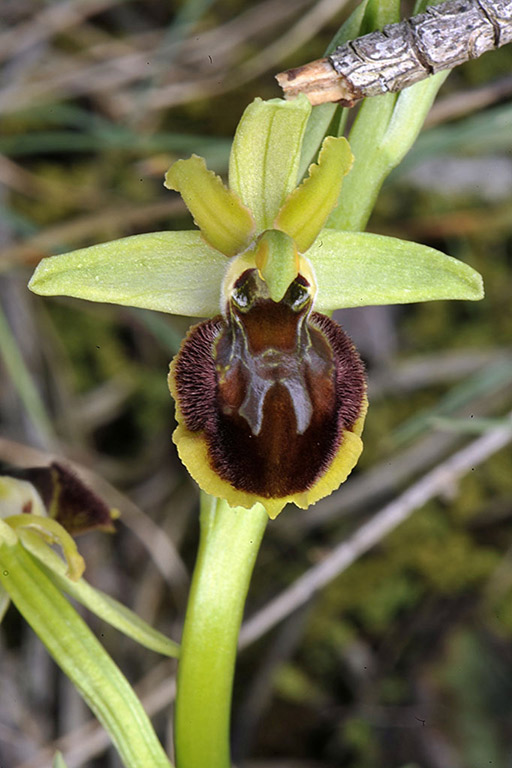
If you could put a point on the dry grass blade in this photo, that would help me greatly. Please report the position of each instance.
(48, 22)
(60, 74)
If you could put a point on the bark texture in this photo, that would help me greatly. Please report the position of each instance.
(400, 55)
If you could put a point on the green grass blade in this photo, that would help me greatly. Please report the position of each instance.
(82, 658)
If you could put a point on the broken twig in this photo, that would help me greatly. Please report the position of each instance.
(400, 55)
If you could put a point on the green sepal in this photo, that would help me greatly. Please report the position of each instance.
(278, 262)
(174, 272)
(225, 223)
(105, 607)
(308, 207)
(82, 658)
(354, 269)
(265, 155)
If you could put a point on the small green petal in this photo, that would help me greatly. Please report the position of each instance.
(265, 155)
(224, 222)
(308, 207)
(174, 272)
(278, 262)
(354, 269)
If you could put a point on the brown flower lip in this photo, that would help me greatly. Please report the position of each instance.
(270, 399)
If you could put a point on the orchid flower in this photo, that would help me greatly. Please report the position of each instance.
(270, 392)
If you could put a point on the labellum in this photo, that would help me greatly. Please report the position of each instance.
(270, 398)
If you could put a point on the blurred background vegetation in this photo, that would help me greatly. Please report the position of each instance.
(404, 659)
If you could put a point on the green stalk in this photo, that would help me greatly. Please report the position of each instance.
(229, 542)
(384, 130)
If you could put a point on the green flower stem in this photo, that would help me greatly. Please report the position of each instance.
(385, 128)
(81, 657)
(371, 165)
(229, 542)
(383, 132)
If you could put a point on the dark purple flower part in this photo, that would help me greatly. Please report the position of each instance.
(271, 399)
(65, 497)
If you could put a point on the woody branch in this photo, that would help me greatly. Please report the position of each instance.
(402, 54)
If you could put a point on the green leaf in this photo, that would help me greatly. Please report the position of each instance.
(411, 108)
(307, 208)
(58, 761)
(384, 130)
(265, 156)
(355, 269)
(224, 222)
(378, 13)
(105, 607)
(174, 272)
(82, 658)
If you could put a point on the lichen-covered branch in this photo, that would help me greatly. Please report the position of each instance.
(399, 55)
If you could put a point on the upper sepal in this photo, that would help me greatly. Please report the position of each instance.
(265, 155)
